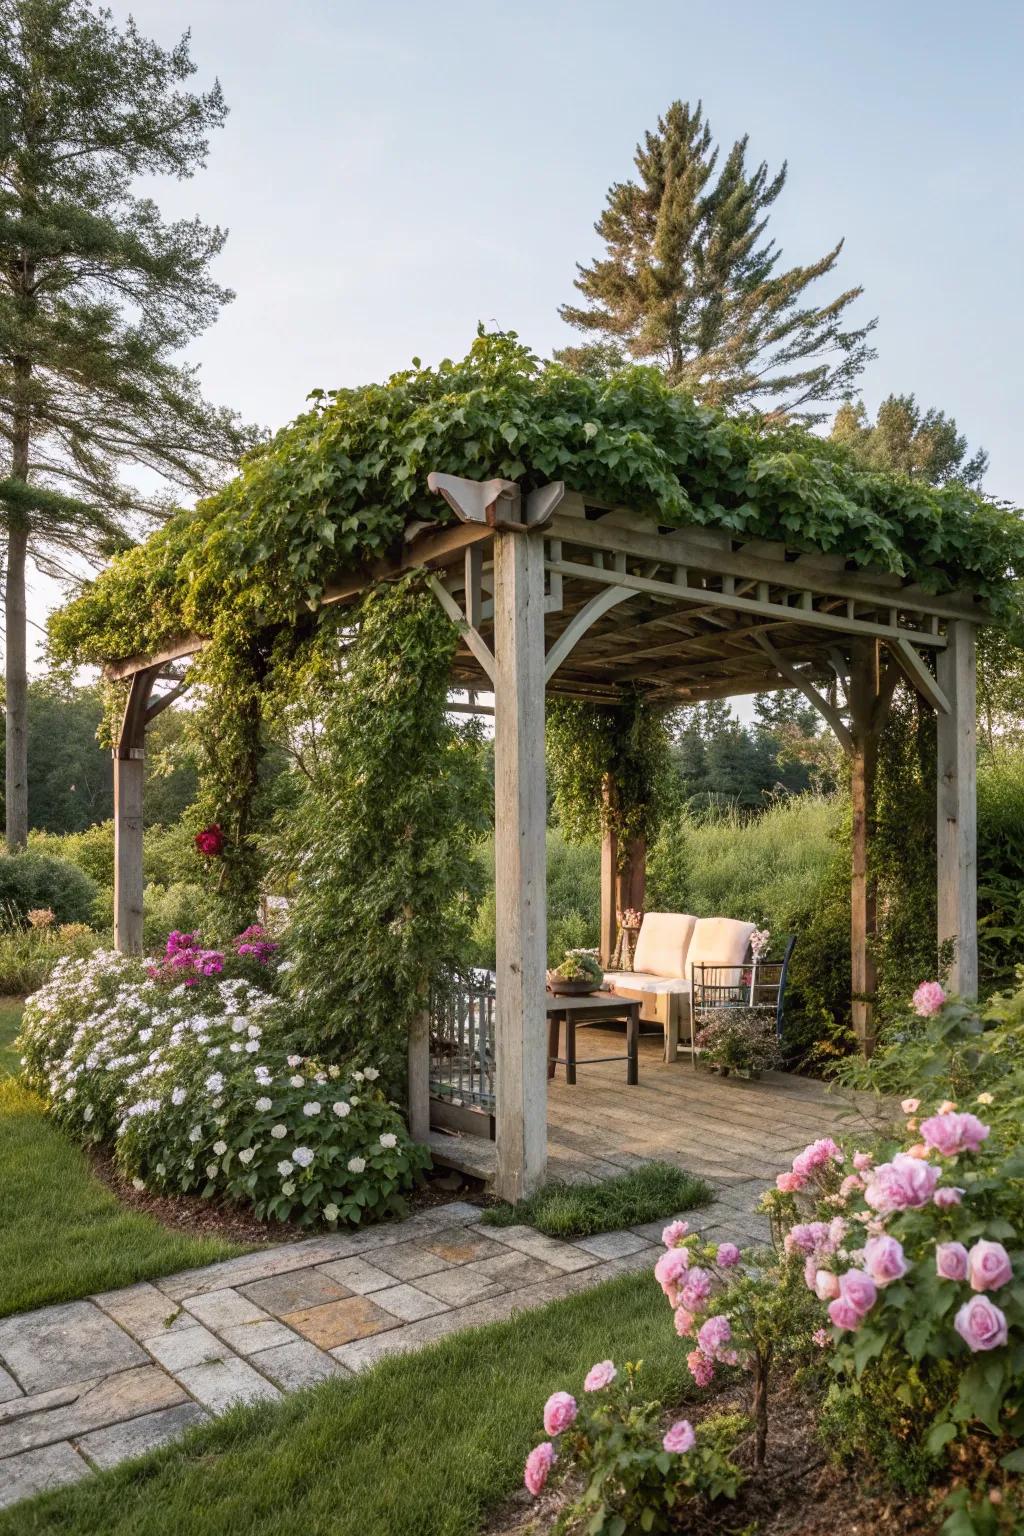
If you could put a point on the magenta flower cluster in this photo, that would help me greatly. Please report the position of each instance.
(186, 961)
(254, 942)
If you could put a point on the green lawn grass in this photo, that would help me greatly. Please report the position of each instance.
(580, 1210)
(62, 1233)
(422, 1445)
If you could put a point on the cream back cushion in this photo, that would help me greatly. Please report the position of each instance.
(662, 943)
(718, 941)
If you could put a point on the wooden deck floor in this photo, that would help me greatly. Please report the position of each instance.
(736, 1134)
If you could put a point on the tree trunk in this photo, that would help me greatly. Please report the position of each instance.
(15, 623)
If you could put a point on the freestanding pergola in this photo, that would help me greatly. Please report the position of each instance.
(556, 593)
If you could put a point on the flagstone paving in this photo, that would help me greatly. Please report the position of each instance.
(88, 1384)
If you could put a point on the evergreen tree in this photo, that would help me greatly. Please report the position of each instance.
(690, 283)
(923, 444)
(97, 294)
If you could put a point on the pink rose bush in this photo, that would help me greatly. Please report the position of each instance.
(637, 1473)
(918, 1264)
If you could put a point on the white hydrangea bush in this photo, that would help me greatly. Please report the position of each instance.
(198, 1089)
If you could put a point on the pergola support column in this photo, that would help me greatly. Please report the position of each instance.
(520, 816)
(129, 771)
(129, 775)
(956, 818)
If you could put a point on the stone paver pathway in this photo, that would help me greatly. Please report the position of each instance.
(90, 1383)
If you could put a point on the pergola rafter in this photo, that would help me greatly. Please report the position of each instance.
(553, 591)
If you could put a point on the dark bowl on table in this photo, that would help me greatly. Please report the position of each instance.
(562, 987)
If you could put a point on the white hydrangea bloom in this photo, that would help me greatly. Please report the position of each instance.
(303, 1156)
(341, 1109)
(278, 1131)
(356, 1164)
(388, 1139)
(263, 1104)
(312, 1108)
(297, 1081)
(371, 1074)
(284, 1168)
(246, 1155)
(330, 1212)
(220, 1147)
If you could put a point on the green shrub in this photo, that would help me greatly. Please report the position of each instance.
(92, 851)
(168, 853)
(28, 955)
(1000, 869)
(35, 881)
(200, 1090)
(574, 899)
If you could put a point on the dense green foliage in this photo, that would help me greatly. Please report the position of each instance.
(33, 881)
(574, 899)
(339, 484)
(718, 762)
(65, 1234)
(380, 846)
(648, 1193)
(590, 745)
(687, 280)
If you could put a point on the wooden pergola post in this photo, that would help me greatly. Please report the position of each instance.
(864, 730)
(129, 773)
(520, 816)
(956, 812)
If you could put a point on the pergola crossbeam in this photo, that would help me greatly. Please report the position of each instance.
(795, 676)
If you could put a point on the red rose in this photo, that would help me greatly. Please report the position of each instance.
(210, 841)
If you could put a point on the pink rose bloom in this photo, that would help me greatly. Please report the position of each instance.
(980, 1324)
(910, 1106)
(559, 1412)
(928, 998)
(670, 1271)
(538, 1465)
(844, 1315)
(988, 1266)
(903, 1184)
(680, 1438)
(850, 1185)
(951, 1261)
(700, 1367)
(858, 1290)
(862, 1161)
(696, 1289)
(815, 1155)
(673, 1232)
(789, 1183)
(684, 1322)
(728, 1255)
(884, 1259)
(715, 1333)
(826, 1285)
(944, 1198)
(951, 1133)
(600, 1376)
(808, 1237)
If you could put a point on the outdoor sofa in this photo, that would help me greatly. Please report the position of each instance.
(674, 952)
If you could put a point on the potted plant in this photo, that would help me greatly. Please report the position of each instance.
(739, 1039)
(578, 974)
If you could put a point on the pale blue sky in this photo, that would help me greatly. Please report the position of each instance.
(391, 173)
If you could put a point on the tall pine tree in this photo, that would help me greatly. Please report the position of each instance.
(97, 294)
(690, 283)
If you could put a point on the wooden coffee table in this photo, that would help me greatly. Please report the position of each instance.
(592, 1008)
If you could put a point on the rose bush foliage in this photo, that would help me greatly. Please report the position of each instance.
(639, 1476)
(191, 1073)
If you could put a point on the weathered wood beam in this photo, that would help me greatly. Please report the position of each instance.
(821, 704)
(918, 676)
(188, 645)
(129, 776)
(956, 813)
(520, 816)
(811, 618)
(600, 604)
(431, 551)
(471, 636)
(695, 547)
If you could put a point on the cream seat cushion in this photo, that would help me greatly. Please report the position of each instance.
(642, 981)
(718, 941)
(662, 943)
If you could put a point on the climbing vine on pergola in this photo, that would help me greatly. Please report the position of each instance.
(603, 541)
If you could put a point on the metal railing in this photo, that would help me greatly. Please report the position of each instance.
(462, 1042)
